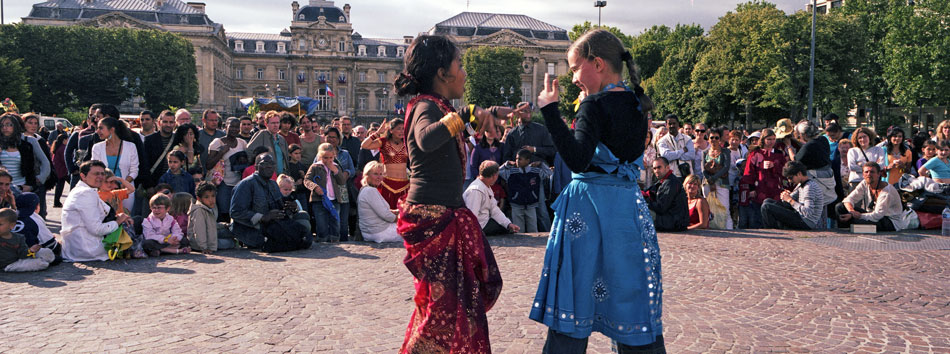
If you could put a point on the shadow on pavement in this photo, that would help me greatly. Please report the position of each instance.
(144, 266)
(53, 277)
(333, 250)
(734, 234)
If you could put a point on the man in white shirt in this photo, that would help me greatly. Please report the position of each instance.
(480, 199)
(677, 148)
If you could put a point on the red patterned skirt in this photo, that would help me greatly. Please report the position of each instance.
(456, 278)
(393, 189)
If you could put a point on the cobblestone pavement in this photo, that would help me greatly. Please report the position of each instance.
(767, 291)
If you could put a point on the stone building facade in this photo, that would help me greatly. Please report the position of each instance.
(320, 55)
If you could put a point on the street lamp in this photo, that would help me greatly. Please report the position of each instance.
(811, 68)
(600, 6)
(511, 91)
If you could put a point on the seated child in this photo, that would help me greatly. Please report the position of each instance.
(15, 256)
(33, 227)
(291, 204)
(7, 194)
(203, 231)
(177, 177)
(181, 204)
(114, 191)
(524, 189)
(162, 233)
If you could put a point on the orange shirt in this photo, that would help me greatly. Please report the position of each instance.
(115, 198)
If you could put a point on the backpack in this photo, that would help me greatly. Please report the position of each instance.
(284, 235)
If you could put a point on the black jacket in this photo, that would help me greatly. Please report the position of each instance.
(668, 200)
(153, 152)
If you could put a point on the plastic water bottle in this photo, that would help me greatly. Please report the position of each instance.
(945, 229)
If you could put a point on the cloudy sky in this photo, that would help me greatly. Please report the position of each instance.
(394, 19)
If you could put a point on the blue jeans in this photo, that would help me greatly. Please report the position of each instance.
(328, 228)
(750, 216)
(223, 200)
(344, 227)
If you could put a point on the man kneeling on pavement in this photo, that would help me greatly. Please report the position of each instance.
(480, 199)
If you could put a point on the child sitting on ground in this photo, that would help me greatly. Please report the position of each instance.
(162, 233)
(291, 204)
(181, 204)
(524, 188)
(177, 177)
(6, 193)
(33, 227)
(203, 230)
(15, 256)
(114, 191)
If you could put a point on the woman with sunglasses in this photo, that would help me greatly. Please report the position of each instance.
(701, 144)
(716, 162)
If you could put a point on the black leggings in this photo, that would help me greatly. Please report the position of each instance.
(558, 343)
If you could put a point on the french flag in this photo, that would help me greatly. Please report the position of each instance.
(330, 92)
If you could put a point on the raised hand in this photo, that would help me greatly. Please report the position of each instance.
(549, 93)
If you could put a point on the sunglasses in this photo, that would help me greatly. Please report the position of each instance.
(699, 130)
(713, 137)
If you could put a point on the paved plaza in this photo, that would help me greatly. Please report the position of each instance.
(766, 291)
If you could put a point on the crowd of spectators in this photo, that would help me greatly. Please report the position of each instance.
(277, 181)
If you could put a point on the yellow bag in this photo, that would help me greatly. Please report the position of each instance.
(117, 242)
(718, 214)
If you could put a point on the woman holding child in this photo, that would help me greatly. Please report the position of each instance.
(86, 218)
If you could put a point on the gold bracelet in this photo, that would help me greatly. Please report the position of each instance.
(453, 121)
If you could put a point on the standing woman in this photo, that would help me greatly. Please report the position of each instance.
(649, 154)
(863, 152)
(31, 126)
(762, 177)
(716, 162)
(943, 131)
(186, 141)
(486, 148)
(602, 263)
(118, 152)
(456, 277)
(897, 156)
(389, 139)
(21, 155)
(59, 168)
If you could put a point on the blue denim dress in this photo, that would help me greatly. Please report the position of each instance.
(602, 263)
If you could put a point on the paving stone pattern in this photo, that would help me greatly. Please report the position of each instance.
(742, 292)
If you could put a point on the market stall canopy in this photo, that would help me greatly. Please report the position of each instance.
(295, 105)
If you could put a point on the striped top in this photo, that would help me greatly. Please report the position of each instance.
(809, 202)
(11, 160)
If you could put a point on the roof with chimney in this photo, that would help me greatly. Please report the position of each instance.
(153, 11)
(483, 24)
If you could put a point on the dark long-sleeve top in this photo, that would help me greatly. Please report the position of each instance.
(73, 143)
(721, 176)
(611, 118)
(435, 167)
(481, 153)
(815, 154)
(531, 134)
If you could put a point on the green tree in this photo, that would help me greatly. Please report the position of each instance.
(578, 30)
(745, 64)
(75, 66)
(916, 49)
(671, 87)
(491, 70)
(568, 93)
(838, 45)
(14, 83)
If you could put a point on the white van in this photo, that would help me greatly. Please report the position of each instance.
(50, 123)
